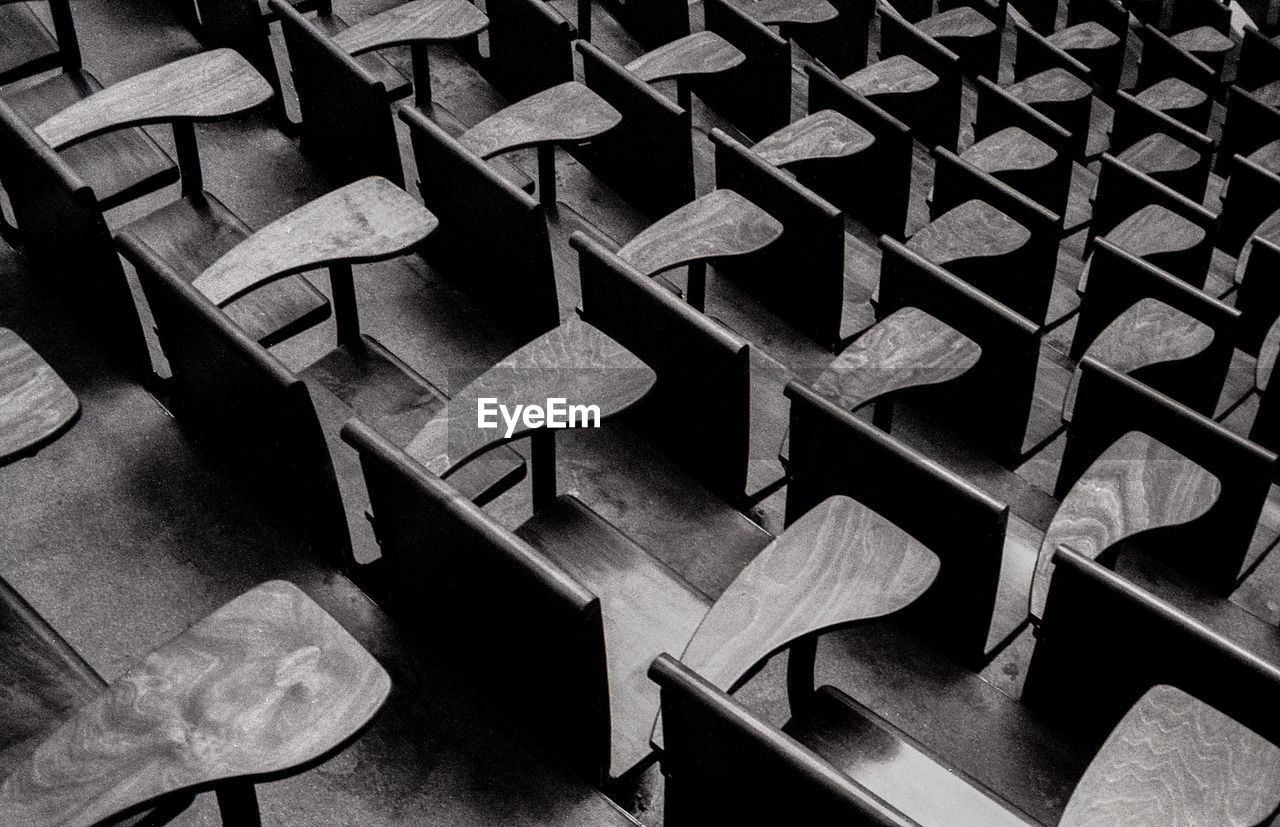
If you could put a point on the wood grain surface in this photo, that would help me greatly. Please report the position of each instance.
(1175, 761)
(1087, 35)
(368, 220)
(1159, 153)
(203, 87)
(701, 53)
(1269, 93)
(1135, 485)
(1203, 40)
(838, 564)
(1171, 93)
(720, 223)
(896, 75)
(824, 134)
(962, 21)
(267, 683)
(1054, 85)
(575, 361)
(779, 12)
(1267, 156)
(970, 230)
(565, 113)
(1009, 149)
(1147, 333)
(35, 404)
(420, 21)
(1269, 230)
(1155, 229)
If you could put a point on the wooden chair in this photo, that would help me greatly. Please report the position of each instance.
(974, 34)
(264, 687)
(1203, 29)
(1095, 36)
(1173, 81)
(1249, 126)
(278, 425)
(66, 231)
(493, 238)
(1155, 144)
(1258, 68)
(1062, 97)
(36, 406)
(754, 96)
(1018, 146)
(345, 109)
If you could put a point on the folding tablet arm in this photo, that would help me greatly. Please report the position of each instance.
(205, 87)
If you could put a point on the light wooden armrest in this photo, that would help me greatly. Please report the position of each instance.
(780, 12)
(1009, 149)
(567, 113)
(973, 229)
(824, 134)
(1137, 484)
(575, 362)
(894, 75)
(421, 21)
(35, 404)
(266, 684)
(203, 87)
(720, 223)
(1173, 758)
(369, 220)
(701, 53)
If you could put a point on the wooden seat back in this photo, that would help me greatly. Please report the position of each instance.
(1135, 121)
(529, 47)
(1212, 548)
(346, 114)
(648, 156)
(1035, 54)
(937, 121)
(842, 44)
(871, 187)
(834, 452)
(1249, 125)
(1110, 13)
(699, 411)
(998, 110)
(1259, 62)
(1004, 378)
(1185, 15)
(1252, 195)
(67, 55)
(1161, 59)
(755, 95)
(466, 584)
(492, 239)
(955, 182)
(1258, 298)
(250, 405)
(654, 23)
(811, 247)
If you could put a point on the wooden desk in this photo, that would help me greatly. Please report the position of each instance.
(266, 685)
(1172, 94)
(1085, 36)
(974, 229)
(575, 362)
(1175, 760)
(35, 404)
(824, 134)
(204, 87)
(701, 53)
(789, 12)
(960, 22)
(719, 224)
(1135, 485)
(1148, 333)
(1159, 153)
(1055, 85)
(896, 75)
(567, 113)
(1010, 149)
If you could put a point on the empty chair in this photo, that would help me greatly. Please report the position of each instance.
(1203, 29)
(974, 35)
(1173, 81)
(1157, 145)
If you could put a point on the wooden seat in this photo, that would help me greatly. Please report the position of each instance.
(420, 21)
(263, 687)
(719, 224)
(35, 404)
(1010, 150)
(896, 75)
(1172, 753)
(1172, 95)
(824, 134)
(701, 53)
(1148, 333)
(790, 12)
(974, 229)
(26, 46)
(1087, 36)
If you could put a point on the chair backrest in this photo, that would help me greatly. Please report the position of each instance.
(241, 25)
(251, 407)
(67, 55)
(654, 22)
(1213, 547)
(699, 410)
(1135, 121)
(492, 238)
(873, 190)
(1103, 642)
(1123, 191)
(833, 452)
(1252, 195)
(529, 47)
(1118, 279)
(998, 110)
(1162, 58)
(1004, 377)
(1249, 125)
(67, 238)
(842, 44)
(810, 249)
(755, 95)
(346, 116)
(1110, 13)
(1259, 62)
(648, 156)
(1258, 298)
(955, 182)
(473, 589)
(898, 37)
(724, 765)
(1185, 15)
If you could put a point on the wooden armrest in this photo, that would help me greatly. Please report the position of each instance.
(720, 223)
(840, 563)
(701, 53)
(781, 12)
(1086, 35)
(1175, 757)
(1267, 156)
(1054, 85)
(566, 113)
(972, 229)
(1203, 39)
(1171, 93)
(962, 21)
(574, 362)
(896, 75)
(35, 404)
(421, 21)
(824, 134)
(369, 220)
(1012, 148)
(1155, 229)
(1137, 484)
(203, 87)
(1148, 333)
(266, 684)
